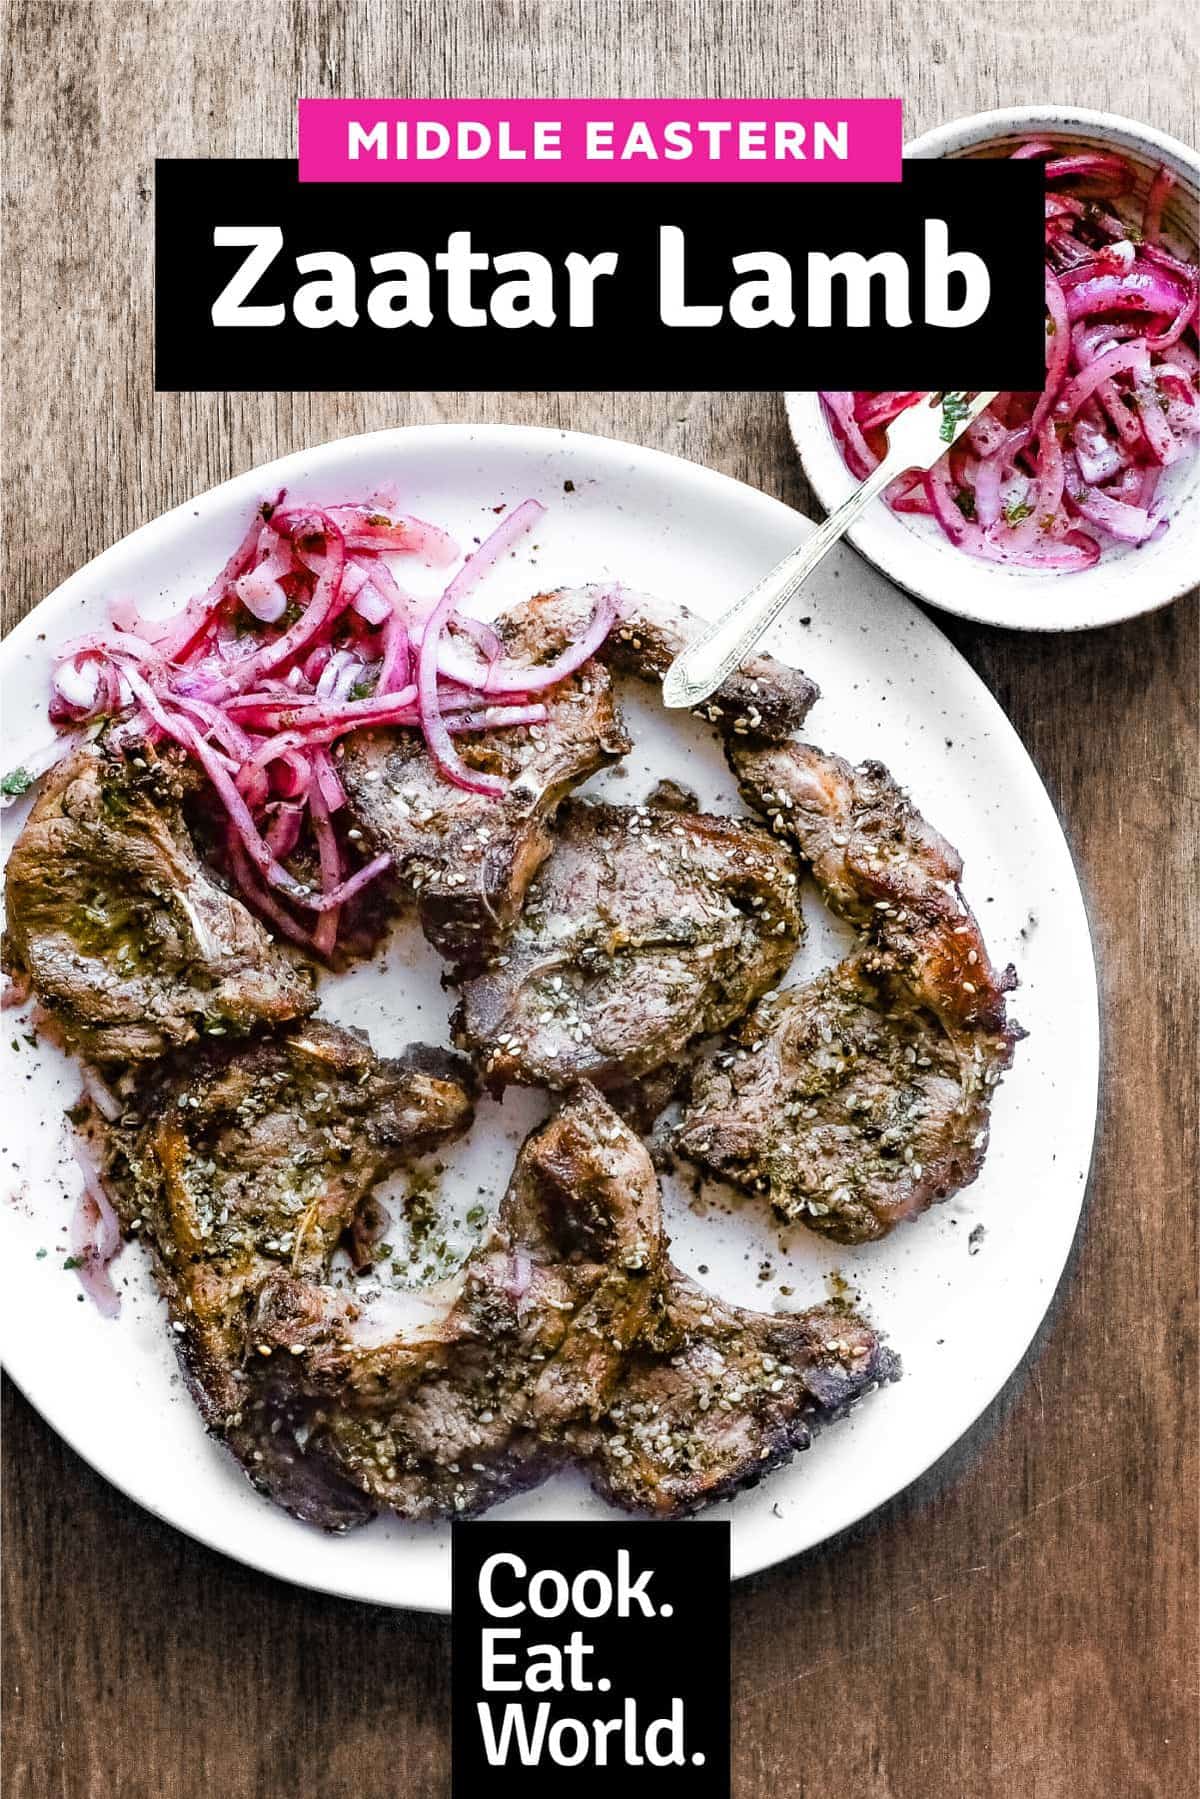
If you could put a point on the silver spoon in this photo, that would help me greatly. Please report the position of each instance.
(917, 438)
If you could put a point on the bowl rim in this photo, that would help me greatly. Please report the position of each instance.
(951, 584)
(1081, 121)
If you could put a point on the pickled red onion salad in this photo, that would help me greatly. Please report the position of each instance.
(1045, 480)
(305, 635)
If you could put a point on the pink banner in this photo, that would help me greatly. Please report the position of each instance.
(600, 140)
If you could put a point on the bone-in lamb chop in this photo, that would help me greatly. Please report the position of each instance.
(469, 857)
(243, 1165)
(855, 1101)
(129, 942)
(642, 930)
(566, 1334)
(884, 869)
(763, 699)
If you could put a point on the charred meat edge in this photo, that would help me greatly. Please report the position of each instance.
(642, 932)
(566, 1335)
(919, 1010)
(129, 942)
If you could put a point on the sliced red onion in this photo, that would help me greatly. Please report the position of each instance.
(1123, 359)
(1098, 458)
(987, 434)
(1093, 164)
(1127, 523)
(396, 667)
(1146, 290)
(332, 792)
(370, 604)
(494, 718)
(180, 633)
(1073, 551)
(78, 684)
(283, 832)
(315, 717)
(1162, 444)
(858, 452)
(258, 711)
(259, 590)
(1182, 401)
(218, 724)
(364, 529)
(330, 858)
(100, 1093)
(257, 849)
(1186, 315)
(987, 491)
(881, 409)
(326, 601)
(1058, 350)
(95, 1239)
(338, 676)
(253, 890)
(1156, 197)
(437, 737)
(1120, 388)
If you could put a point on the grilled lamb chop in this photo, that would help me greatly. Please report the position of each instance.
(567, 1333)
(857, 1100)
(127, 939)
(531, 1335)
(845, 1102)
(764, 699)
(470, 857)
(883, 868)
(642, 931)
(717, 1396)
(247, 1166)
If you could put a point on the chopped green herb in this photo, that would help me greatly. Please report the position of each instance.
(16, 782)
(42, 1254)
(964, 499)
(955, 408)
(1015, 511)
(73, 1262)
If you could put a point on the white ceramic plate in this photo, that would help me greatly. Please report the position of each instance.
(893, 688)
(913, 550)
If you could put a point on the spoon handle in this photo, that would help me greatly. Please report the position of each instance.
(700, 669)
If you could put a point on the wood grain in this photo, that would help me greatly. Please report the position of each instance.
(1019, 1625)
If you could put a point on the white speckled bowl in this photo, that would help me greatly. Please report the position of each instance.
(912, 550)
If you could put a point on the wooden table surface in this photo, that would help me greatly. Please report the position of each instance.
(1021, 1624)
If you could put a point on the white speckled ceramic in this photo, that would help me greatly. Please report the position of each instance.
(893, 687)
(912, 550)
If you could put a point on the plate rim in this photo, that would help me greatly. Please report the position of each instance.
(547, 439)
